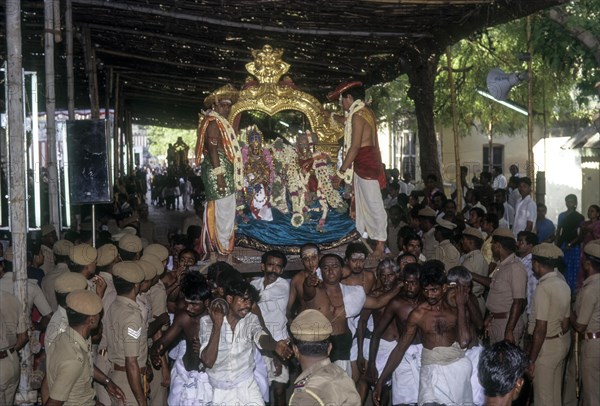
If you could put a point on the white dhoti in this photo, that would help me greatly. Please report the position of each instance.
(283, 377)
(188, 388)
(241, 393)
(473, 355)
(405, 379)
(385, 349)
(261, 375)
(445, 376)
(371, 217)
(219, 221)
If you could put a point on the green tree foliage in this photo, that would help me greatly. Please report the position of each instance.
(159, 139)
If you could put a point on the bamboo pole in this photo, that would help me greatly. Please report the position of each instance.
(17, 160)
(530, 163)
(117, 159)
(459, 192)
(91, 71)
(70, 74)
(50, 113)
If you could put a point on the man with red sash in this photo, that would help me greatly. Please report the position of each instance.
(362, 163)
(221, 161)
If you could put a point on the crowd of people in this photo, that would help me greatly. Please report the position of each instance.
(485, 303)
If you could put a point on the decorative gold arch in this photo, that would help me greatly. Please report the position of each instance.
(265, 91)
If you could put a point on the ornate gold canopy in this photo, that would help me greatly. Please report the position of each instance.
(267, 92)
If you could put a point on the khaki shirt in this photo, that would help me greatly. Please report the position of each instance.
(70, 370)
(35, 296)
(448, 254)
(324, 384)
(58, 324)
(587, 304)
(48, 264)
(48, 284)
(11, 322)
(157, 299)
(476, 263)
(551, 303)
(486, 250)
(110, 294)
(509, 282)
(126, 333)
(429, 244)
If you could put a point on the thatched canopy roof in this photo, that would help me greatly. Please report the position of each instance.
(170, 54)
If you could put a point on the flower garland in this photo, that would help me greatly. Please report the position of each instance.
(232, 147)
(357, 105)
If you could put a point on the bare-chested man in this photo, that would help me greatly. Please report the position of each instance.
(309, 254)
(387, 274)
(354, 274)
(362, 163)
(445, 371)
(188, 384)
(405, 378)
(337, 302)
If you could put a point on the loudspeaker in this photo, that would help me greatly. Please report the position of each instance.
(87, 146)
(500, 83)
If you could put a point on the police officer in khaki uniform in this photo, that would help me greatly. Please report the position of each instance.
(13, 336)
(586, 321)
(49, 237)
(130, 247)
(427, 226)
(126, 334)
(107, 257)
(158, 322)
(321, 382)
(508, 290)
(473, 260)
(445, 251)
(70, 370)
(548, 326)
(65, 284)
(60, 252)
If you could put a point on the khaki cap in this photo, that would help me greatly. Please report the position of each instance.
(69, 281)
(503, 232)
(8, 254)
(47, 229)
(107, 254)
(446, 224)
(592, 249)
(130, 243)
(83, 254)
(547, 250)
(159, 251)
(311, 325)
(62, 247)
(148, 268)
(473, 232)
(427, 212)
(84, 302)
(129, 271)
(157, 263)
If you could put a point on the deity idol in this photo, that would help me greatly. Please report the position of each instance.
(259, 174)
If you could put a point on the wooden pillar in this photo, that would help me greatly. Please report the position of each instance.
(51, 165)
(17, 154)
(92, 72)
(70, 74)
(459, 193)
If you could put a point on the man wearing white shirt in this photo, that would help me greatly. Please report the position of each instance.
(499, 179)
(227, 339)
(526, 209)
(274, 293)
(509, 211)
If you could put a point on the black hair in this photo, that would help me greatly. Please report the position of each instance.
(127, 255)
(179, 239)
(432, 273)
(61, 298)
(194, 286)
(530, 238)
(122, 286)
(485, 175)
(527, 181)
(72, 236)
(499, 209)
(274, 254)
(337, 257)
(551, 262)
(214, 270)
(240, 288)
(501, 191)
(479, 211)
(356, 247)
(492, 218)
(412, 237)
(228, 276)
(509, 244)
(431, 177)
(412, 269)
(357, 92)
(444, 232)
(498, 169)
(394, 185)
(193, 233)
(75, 318)
(73, 267)
(60, 258)
(405, 255)
(188, 251)
(500, 367)
(312, 348)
